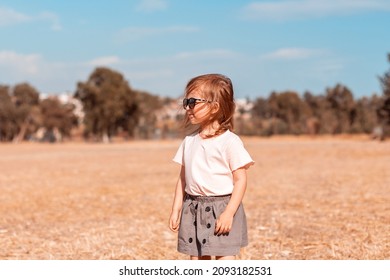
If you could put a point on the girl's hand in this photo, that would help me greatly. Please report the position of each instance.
(223, 224)
(174, 221)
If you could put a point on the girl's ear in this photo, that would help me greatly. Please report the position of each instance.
(215, 107)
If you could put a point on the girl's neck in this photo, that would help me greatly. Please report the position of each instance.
(209, 130)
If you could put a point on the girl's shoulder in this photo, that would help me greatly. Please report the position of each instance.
(228, 139)
(191, 138)
(231, 136)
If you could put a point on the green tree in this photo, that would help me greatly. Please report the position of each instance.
(26, 101)
(262, 117)
(261, 108)
(108, 102)
(342, 106)
(290, 112)
(315, 105)
(8, 127)
(366, 118)
(57, 116)
(148, 104)
(384, 110)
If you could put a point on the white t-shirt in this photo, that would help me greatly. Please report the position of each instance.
(209, 163)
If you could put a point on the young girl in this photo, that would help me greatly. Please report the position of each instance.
(207, 210)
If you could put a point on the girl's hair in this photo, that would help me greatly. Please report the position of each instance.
(218, 89)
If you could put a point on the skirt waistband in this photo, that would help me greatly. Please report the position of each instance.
(207, 198)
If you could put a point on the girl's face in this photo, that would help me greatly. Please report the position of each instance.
(201, 111)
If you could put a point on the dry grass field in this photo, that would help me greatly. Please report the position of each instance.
(322, 198)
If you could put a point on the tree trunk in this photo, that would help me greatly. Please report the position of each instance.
(18, 138)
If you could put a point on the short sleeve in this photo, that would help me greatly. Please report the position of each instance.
(179, 157)
(237, 155)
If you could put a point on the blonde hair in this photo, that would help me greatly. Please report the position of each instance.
(218, 89)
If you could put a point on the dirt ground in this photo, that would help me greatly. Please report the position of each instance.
(307, 198)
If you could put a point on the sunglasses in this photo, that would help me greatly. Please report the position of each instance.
(191, 102)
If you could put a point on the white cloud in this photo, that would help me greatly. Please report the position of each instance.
(52, 18)
(104, 61)
(293, 53)
(303, 9)
(137, 33)
(20, 63)
(33, 68)
(152, 5)
(9, 16)
(167, 75)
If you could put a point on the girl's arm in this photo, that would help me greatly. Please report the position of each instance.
(174, 219)
(225, 220)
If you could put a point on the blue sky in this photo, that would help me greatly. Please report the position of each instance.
(158, 45)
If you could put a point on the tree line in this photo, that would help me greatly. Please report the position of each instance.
(333, 112)
(22, 114)
(111, 107)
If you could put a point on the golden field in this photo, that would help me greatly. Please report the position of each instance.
(307, 198)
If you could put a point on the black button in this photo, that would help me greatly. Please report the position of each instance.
(190, 240)
(195, 223)
(204, 241)
(208, 225)
(208, 209)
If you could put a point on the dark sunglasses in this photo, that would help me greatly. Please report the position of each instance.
(191, 102)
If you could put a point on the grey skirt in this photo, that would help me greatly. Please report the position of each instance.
(197, 226)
